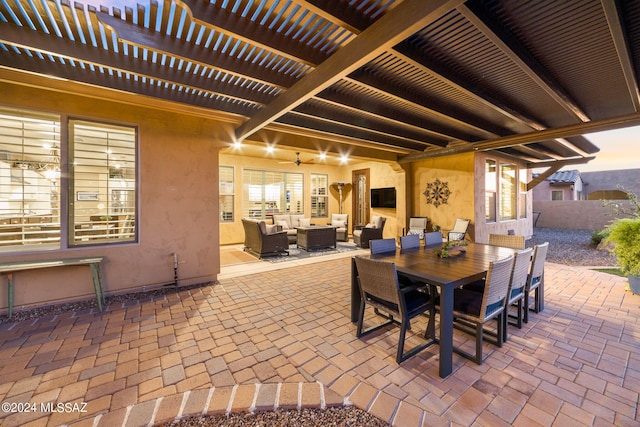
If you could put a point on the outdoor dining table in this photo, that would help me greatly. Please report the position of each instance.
(446, 273)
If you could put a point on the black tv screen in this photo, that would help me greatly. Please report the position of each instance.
(383, 197)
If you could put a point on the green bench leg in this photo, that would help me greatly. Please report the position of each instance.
(97, 284)
(10, 286)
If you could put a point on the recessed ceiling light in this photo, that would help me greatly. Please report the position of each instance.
(323, 156)
(344, 159)
(270, 149)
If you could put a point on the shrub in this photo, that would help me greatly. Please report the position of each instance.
(598, 236)
(625, 233)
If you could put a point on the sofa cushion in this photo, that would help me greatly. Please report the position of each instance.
(338, 223)
(376, 221)
(295, 220)
(286, 218)
(304, 222)
(284, 224)
(271, 228)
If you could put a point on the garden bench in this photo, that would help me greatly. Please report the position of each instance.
(8, 268)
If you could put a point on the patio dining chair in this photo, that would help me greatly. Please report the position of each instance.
(515, 295)
(534, 280)
(507, 240)
(410, 241)
(379, 288)
(433, 238)
(472, 309)
(379, 246)
(459, 229)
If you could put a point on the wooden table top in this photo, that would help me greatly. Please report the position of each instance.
(456, 270)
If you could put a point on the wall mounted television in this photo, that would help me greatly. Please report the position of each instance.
(383, 197)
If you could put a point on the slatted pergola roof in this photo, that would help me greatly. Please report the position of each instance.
(394, 79)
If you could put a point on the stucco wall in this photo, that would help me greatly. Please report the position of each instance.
(458, 172)
(629, 179)
(575, 214)
(383, 175)
(178, 204)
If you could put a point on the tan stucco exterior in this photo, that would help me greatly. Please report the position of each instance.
(178, 163)
(458, 173)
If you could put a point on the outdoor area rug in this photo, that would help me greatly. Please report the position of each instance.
(235, 255)
(296, 253)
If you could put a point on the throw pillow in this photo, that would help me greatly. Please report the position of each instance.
(271, 228)
(283, 224)
(376, 220)
(305, 222)
(339, 224)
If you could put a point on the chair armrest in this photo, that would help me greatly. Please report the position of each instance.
(358, 227)
(411, 288)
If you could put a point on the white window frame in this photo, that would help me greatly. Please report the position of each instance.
(266, 192)
(319, 195)
(42, 214)
(227, 193)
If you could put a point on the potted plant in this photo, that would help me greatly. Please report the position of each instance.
(624, 233)
(453, 247)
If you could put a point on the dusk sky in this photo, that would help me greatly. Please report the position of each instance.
(619, 149)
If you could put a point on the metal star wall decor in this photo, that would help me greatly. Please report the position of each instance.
(437, 193)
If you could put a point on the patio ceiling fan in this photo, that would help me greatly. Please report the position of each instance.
(299, 162)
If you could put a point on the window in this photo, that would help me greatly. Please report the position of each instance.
(556, 194)
(491, 180)
(226, 193)
(522, 182)
(268, 192)
(102, 191)
(29, 181)
(505, 191)
(98, 198)
(508, 202)
(319, 195)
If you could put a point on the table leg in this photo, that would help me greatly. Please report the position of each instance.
(446, 331)
(356, 298)
(10, 296)
(541, 292)
(97, 283)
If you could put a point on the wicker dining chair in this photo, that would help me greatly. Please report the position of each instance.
(433, 238)
(515, 295)
(410, 241)
(535, 279)
(472, 309)
(507, 240)
(379, 246)
(379, 288)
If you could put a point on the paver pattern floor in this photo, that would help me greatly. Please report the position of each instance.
(283, 338)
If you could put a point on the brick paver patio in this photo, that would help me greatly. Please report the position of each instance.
(283, 339)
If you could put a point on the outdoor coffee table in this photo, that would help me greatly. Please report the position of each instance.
(316, 237)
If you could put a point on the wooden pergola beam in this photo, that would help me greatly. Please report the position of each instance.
(398, 24)
(530, 137)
